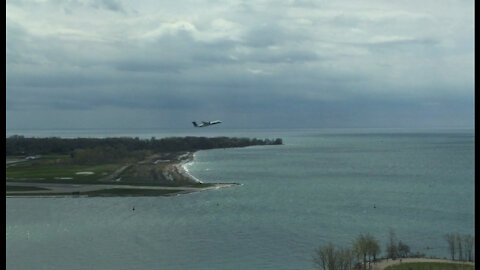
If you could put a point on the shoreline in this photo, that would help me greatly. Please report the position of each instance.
(114, 160)
(107, 190)
(176, 171)
(182, 169)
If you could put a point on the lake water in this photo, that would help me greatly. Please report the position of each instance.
(320, 186)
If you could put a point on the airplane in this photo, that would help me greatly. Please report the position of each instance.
(206, 123)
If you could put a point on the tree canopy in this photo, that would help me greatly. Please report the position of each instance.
(19, 145)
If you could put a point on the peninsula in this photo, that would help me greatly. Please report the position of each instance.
(109, 166)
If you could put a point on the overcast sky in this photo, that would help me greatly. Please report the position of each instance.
(309, 64)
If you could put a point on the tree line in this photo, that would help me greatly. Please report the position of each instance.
(364, 250)
(19, 145)
(461, 245)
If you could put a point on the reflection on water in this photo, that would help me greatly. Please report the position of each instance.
(314, 189)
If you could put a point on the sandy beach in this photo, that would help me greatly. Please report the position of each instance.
(178, 170)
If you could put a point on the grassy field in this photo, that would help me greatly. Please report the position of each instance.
(57, 169)
(54, 167)
(431, 266)
(70, 167)
(61, 169)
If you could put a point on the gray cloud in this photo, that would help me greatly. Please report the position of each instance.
(111, 5)
(148, 65)
(310, 64)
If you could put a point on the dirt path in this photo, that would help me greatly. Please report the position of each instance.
(112, 177)
(380, 265)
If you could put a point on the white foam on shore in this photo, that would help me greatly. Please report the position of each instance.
(183, 167)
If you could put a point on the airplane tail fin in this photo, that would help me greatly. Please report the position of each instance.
(195, 124)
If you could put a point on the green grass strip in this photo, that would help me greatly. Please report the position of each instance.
(431, 266)
(23, 188)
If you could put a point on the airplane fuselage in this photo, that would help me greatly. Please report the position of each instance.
(206, 123)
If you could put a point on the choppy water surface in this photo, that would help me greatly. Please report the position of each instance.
(319, 187)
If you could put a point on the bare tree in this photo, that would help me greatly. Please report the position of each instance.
(332, 259)
(325, 257)
(468, 241)
(345, 259)
(392, 250)
(375, 249)
(450, 238)
(458, 242)
(360, 247)
(329, 258)
(372, 248)
(320, 259)
(403, 249)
